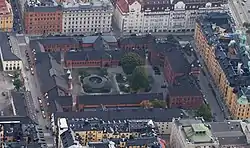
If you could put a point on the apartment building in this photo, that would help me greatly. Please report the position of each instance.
(10, 61)
(88, 16)
(6, 16)
(162, 15)
(226, 56)
(125, 132)
(192, 133)
(183, 87)
(14, 133)
(42, 17)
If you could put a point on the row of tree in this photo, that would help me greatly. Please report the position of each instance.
(132, 65)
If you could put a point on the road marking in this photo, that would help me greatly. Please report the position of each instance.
(47, 134)
(50, 145)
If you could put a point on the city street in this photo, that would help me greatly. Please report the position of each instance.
(212, 95)
(31, 85)
(17, 20)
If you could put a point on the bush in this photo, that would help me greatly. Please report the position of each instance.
(119, 78)
(123, 88)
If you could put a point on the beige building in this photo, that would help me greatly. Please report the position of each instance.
(9, 60)
(6, 16)
(192, 133)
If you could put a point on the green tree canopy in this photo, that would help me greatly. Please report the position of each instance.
(139, 79)
(130, 61)
(205, 112)
(18, 84)
(158, 103)
(172, 39)
(246, 24)
(16, 74)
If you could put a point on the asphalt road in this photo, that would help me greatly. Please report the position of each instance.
(31, 85)
(212, 95)
(17, 20)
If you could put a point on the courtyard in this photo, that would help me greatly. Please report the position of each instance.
(112, 80)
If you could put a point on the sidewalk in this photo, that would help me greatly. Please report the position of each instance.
(218, 95)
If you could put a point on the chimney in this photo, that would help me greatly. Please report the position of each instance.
(239, 68)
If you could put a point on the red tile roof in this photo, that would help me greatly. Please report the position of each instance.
(123, 6)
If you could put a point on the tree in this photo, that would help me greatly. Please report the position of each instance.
(130, 61)
(139, 79)
(248, 31)
(17, 83)
(205, 112)
(158, 103)
(246, 24)
(172, 39)
(16, 75)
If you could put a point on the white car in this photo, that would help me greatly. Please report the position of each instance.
(43, 113)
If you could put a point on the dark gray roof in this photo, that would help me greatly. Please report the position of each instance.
(43, 66)
(19, 103)
(148, 141)
(98, 144)
(229, 55)
(58, 40)
(92, 39)
(135, 40)
(156, 114)
(57, 102)
(99, 54)
(229, 133)
(6, 48)
(185, 86)
(67, 138)
(50, 72)
(21, 119)
(118, 99)
(42, 9)
(173, 53)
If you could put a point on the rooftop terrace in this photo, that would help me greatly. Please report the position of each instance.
(195, 131)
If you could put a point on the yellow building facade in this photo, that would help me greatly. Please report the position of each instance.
(238, 108)
(97, 136)
(6, 16)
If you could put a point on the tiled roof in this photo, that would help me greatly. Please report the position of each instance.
(155, 114)
(123, 6)
(118, 99)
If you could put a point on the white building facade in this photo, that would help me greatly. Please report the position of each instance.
(87, 17)
(162, 15)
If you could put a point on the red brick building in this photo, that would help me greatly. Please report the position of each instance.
(183, 88)
(39, 20)
(98, 41)
(53, 44)
(92, 58)
(113, 101)
(185, 93)
(135, 42)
